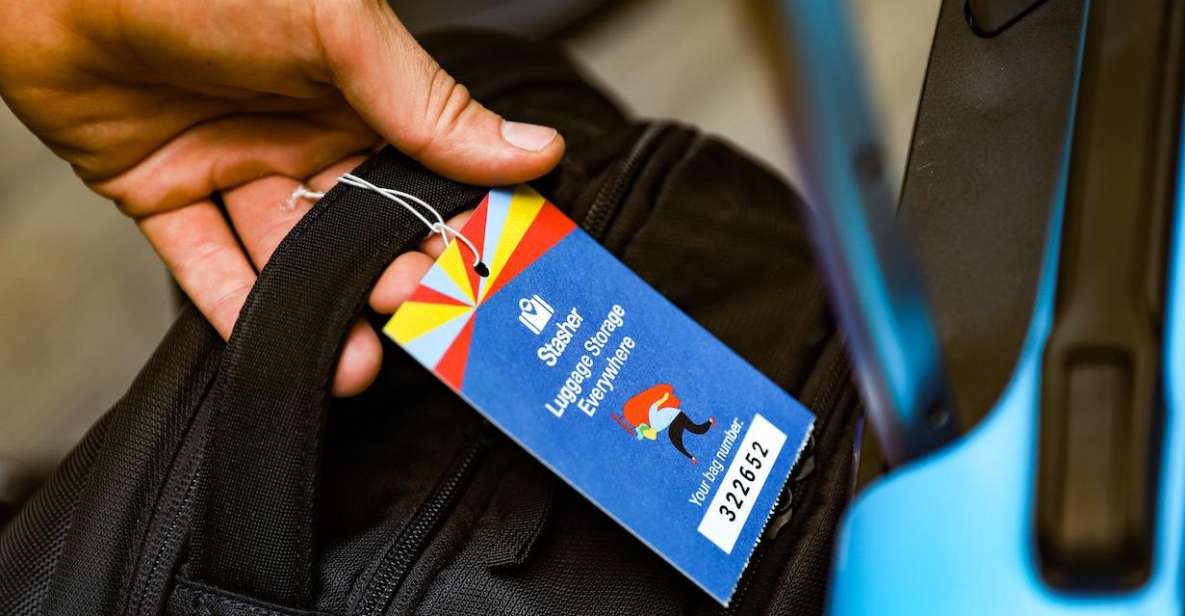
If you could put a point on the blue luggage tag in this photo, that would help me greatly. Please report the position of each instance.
(608, 384)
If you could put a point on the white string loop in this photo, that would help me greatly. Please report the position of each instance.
(437, 226)
(302, 192)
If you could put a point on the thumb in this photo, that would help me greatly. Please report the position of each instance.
(405, 96)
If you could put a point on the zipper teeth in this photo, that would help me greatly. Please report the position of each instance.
(147, 585)
(152, 580)
(398, 560)
(828, 396)
(402, 554)
(608, 199)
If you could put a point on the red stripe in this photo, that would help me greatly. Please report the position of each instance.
(475, 230)
(549, 227)
(451, 367)
(432, 296)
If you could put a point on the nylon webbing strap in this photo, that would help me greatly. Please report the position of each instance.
(273, 387)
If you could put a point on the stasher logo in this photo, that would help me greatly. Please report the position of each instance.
(535, 313)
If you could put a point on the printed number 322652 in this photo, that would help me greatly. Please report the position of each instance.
(739, 490)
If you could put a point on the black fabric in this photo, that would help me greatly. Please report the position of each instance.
(83, 524)
(272, 390)
(190, 597)
(984, 172)
(32, 543)
(229, 482)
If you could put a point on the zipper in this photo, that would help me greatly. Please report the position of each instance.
(150, 577)
(152, 580)
(613, 189)
(779, 518)
(403, 553)
(827, 399)
(596, 223)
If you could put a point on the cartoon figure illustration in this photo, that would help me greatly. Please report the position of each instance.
(657, 409)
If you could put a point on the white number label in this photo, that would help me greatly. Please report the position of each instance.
(733, 502)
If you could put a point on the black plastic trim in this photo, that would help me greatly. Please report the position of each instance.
(1102, 407)
(991, 17)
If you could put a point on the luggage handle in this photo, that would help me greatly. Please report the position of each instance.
(1102, 391)
(255, 531)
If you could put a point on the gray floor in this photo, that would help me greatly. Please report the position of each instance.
(83, 300)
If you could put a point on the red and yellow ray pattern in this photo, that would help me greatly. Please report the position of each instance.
(511, 229)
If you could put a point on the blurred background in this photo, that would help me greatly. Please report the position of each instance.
(84, 301)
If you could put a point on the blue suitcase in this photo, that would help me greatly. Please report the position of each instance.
(1033, 425)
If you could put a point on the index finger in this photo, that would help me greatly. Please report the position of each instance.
(201, 251)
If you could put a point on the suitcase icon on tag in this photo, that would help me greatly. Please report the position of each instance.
(535, 313)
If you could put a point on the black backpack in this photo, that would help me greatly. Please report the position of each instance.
(229, 482)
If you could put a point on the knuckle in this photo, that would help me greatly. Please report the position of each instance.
(199, 257)
(135, 202)
(128, 208)
(224, 307)
(448, 105)
(129, 202)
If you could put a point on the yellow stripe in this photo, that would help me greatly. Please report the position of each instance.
(455, 268)
(525, 205)
(414, 319)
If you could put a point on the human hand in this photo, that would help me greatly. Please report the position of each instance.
(157, 104)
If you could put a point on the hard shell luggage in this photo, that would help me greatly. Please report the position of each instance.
(1044, 197)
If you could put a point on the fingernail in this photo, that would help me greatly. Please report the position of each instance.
(529, 137)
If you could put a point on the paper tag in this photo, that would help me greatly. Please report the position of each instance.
(608, 384)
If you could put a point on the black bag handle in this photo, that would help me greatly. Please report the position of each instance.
(255, 530)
